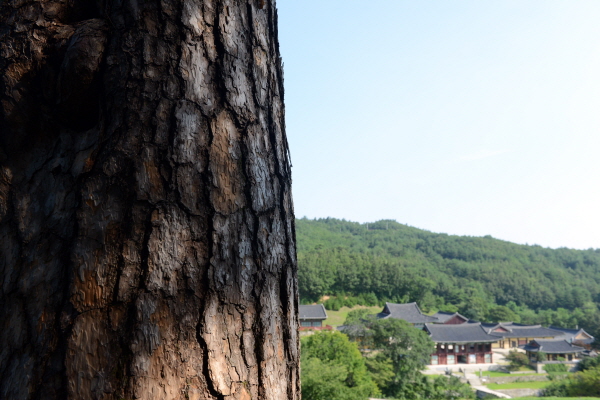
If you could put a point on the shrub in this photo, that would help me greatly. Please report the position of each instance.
(588, 363)
(369, 299)
(355, 317)
(350, 301)
(541, 356)
(333, 304)
(554, 368)
(580, 384)
(517, 360)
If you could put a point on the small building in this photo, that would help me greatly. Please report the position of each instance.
(554, 349)
(467, 343)
(512, 335)
(312, 316)
(409, 312)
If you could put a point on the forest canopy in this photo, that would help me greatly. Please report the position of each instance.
(481, 277)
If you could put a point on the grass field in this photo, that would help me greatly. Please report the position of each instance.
(495, 374)
(337, 318)
(559, 398)
(519, 385)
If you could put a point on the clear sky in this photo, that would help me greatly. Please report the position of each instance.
(467, 117)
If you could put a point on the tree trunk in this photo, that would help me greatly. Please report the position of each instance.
(147, 245)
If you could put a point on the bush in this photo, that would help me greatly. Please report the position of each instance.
(517, 360)
(556, 389)
(541, 356)
(350, 301)
(450, 388)
(368, 299)
(355, 317)
(588, 363)
(580, 384)
(333, 304)
(555, 368)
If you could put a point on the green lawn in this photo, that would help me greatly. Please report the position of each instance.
(559, 398)
(337, 318)
(494, 374)
(519, 385)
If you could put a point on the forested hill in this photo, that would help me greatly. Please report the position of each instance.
(388, 261)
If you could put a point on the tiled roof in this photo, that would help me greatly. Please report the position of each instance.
(570, 334)
(316, 311)
(409, 312)
(513, 330)
(552, 347)
(463, 333)
(507, 325)
(445, 316)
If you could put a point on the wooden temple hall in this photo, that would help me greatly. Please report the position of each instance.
(461, 344)
(459, 340)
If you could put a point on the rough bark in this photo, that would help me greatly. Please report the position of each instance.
(147, 244)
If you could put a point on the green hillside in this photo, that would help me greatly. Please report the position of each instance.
(388, 261)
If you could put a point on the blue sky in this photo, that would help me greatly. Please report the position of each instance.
(466, 117)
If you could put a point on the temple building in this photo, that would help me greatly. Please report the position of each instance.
(512, 335)
(461, 344)
(555, 350)
(312, 316)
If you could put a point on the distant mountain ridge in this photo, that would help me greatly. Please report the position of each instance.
(399, 263)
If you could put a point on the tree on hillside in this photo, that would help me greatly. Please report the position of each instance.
(447, 273)
(502, 314)
(147, 245)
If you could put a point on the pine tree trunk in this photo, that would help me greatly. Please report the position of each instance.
(147, 245)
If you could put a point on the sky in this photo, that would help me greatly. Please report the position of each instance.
(465, 117)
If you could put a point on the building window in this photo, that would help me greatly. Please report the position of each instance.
(450, 347)
(316, 323)
(434, 360)
(305, 323)
(488, 358)
(451, 359)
